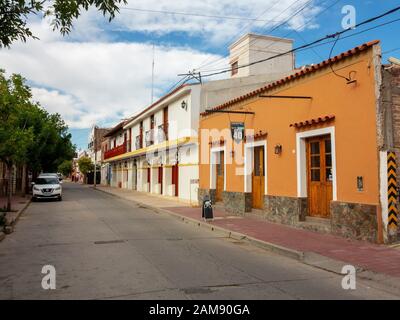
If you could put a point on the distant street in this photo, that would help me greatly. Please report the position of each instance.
(106, 248)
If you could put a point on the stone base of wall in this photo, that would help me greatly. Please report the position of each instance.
(285, 210)
(206, 192)
(237, 202)
(354, 220)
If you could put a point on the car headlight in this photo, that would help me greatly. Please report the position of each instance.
(57, 188)
(36, 189)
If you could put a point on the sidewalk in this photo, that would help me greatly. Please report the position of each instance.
(18, 205)
(368, 256)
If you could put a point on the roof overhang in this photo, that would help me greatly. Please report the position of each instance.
(161, 103)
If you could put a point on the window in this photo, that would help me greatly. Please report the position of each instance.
(234, 68)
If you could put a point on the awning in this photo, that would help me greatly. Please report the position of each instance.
(313, 121)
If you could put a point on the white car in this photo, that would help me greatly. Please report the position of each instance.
(57, 175)
(46, 187)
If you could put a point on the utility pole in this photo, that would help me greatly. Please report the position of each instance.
(95, 157)
(152, 78)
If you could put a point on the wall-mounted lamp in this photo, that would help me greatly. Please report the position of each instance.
(278, 149)
(184, 105)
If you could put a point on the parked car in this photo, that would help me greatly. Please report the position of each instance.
(57, 175)
(47, 187)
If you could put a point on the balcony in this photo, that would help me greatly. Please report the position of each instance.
(149, 137)
(115, 151)
(139, 142)
(162, 132)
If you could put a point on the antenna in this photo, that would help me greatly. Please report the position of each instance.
(152, 78)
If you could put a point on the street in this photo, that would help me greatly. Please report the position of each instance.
(103, 247)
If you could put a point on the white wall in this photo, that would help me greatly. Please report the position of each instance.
(251, 48)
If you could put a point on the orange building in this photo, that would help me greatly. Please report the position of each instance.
(312, 150)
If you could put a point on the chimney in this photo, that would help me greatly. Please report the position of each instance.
(254, 47)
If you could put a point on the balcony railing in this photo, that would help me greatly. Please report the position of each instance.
(139, 142)
(149, 137)
(162, 132)
(115, 151)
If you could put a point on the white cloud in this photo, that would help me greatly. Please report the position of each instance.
(271, 12)
(88, 78)
(101, 82)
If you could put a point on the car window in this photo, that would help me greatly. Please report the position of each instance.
(47, 180)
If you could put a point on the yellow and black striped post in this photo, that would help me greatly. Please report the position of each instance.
(392, 190)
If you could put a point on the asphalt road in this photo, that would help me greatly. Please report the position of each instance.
(103, 247)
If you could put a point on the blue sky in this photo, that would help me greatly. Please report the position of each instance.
(101, 72)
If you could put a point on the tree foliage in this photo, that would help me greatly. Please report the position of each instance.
(65, 167)
(15, 133)
(85, 165)
(14, 15)
(28, 133)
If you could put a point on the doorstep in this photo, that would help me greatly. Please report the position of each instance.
(320, 225)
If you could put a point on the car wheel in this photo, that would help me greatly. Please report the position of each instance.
(33, 199)
(59, 198)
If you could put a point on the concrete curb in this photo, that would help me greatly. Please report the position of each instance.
(309, 258)
(15, 220)
(21, 212)
(290, 253)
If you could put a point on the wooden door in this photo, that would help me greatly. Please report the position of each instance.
(319, 176)
(258, 178)
(175, 178)
(148, 179)
(160, 178)
(134, 177)
(220, 167)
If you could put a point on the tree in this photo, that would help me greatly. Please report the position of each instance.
(15, 134)
(85, 165)
(28, 133)
(15, 13)
(52, 141)
(65, 167)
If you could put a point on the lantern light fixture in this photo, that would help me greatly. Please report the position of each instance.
(184, 105)
(278, 149)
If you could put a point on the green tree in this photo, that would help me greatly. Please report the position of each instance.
(28, 133)
(65, 167)
(52, 142)
(15, 133)
(14, 15)
(85, 165)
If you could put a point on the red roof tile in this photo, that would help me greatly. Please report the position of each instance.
(296, 75)
(312, 121)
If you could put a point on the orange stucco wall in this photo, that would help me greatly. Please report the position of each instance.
(355, 129)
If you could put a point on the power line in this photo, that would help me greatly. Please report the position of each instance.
(254, 40)
(187, 77)
(200, 15)
(205, 62)
(391, 50)
(331, 36)
(290, 32)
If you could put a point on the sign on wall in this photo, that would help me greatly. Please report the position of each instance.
(392, 190)
(237, 130)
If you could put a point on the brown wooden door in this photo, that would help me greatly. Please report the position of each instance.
(258, 178)
(160, 178)
(319, 176)
(220, 168)
(148, 179)
(175, 178)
